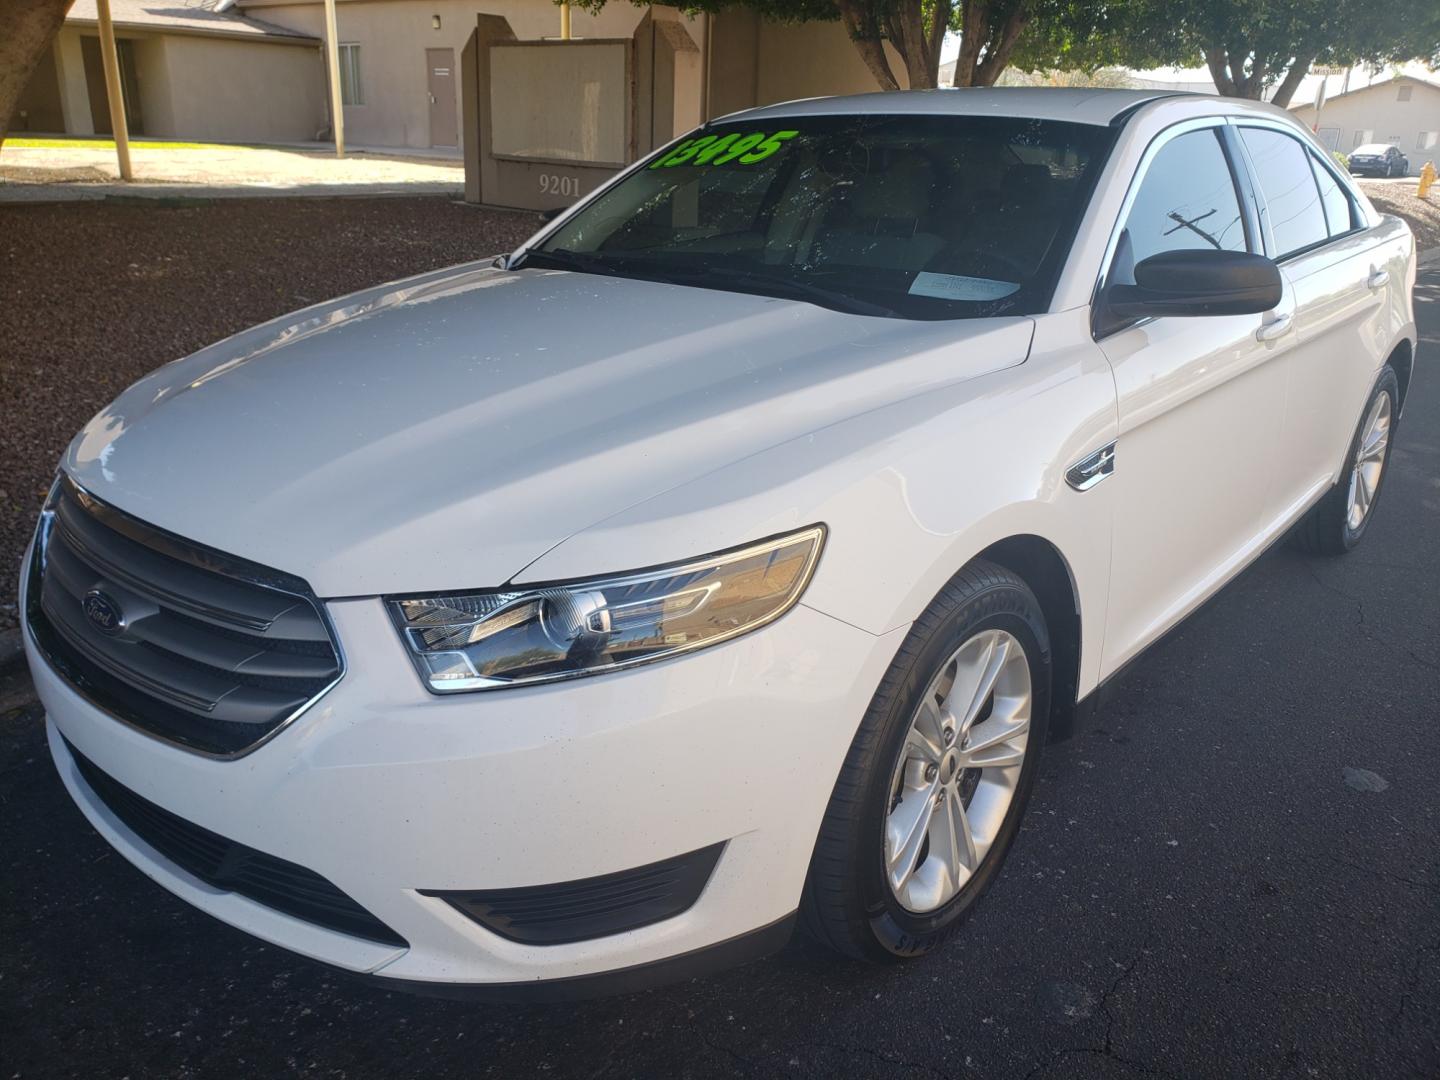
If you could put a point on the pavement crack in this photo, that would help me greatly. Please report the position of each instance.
(1366, 631)
(1361, 868)
(1418, 965)
(1107, 1047)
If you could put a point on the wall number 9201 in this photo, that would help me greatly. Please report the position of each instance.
(722, 149)
(555, 184)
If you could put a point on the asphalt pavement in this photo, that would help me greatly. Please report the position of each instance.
(1234, 872)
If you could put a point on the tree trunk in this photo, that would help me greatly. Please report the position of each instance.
(1215, 61)
(997, 56)
(935, 36)
(27, 29)
(979, 34)
(1288, 85)
(1227, 68)
(860, 24)
(974, 30)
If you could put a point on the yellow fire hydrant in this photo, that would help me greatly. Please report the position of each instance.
(1427, 178)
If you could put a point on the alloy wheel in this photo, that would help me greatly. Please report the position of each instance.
(958, 770)
(1369, 462)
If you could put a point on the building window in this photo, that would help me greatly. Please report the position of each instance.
(1363, 137)
(1427, 140)
(1404, 92)
(351, 92)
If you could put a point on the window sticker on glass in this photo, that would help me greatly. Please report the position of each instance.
(744, 149)
(960, 287)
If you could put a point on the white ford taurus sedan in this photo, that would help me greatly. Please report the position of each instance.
(725, 555)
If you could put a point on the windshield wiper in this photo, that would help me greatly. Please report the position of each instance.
(692, 274)
(788, 287)
(565, 259)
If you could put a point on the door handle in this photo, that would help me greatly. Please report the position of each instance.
(1276, 327)
(1378, 278)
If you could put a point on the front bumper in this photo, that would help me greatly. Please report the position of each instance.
(390, 792)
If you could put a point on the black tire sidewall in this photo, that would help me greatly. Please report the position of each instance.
(1011, 608)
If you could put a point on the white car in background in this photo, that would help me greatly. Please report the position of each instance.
(725, 554)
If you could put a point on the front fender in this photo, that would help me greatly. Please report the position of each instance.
(910, 493)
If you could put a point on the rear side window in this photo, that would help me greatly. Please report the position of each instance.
(1289, 194)
(1186, 202)
(1340, 215)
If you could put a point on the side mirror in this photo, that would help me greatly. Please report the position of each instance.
(1190, 283)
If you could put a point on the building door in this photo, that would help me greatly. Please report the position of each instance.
(440, 72)
(95, 85)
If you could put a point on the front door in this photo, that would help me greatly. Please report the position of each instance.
(440, 72)
(1201, 404)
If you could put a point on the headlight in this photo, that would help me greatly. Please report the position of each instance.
(489, 640)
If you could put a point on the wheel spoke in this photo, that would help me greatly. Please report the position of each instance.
(979, 681)
(905, 833)
(926, 733)
(956, 843)
(1374, 448)
(992, 744)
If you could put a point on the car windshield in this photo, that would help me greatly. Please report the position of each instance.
(933, 217)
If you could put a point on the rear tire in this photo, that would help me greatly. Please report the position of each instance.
(984, 641)
(1340, 520)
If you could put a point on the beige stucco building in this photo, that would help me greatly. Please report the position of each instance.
(191, 69)
(390, 48)
(1404, 110)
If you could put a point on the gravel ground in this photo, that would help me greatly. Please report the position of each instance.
(1400, 199)
(97, 294)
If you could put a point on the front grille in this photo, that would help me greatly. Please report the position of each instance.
(590, 907)
(234, 867)
(196, 647)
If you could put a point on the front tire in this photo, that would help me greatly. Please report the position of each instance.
(931, 794)
(1339, 521)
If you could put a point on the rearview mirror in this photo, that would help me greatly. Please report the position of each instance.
(551, 214)
(1193, 283)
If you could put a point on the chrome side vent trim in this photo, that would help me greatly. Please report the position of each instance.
(1089, 471)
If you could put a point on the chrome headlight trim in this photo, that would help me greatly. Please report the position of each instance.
(528, 635)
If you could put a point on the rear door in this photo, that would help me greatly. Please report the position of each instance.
(1337, 268)
(1200, 401)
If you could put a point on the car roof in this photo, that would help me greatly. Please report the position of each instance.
(1380, 146)
(1090, 105)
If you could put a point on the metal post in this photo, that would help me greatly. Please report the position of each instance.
(332, 61)
(564, 22)
(110, 57)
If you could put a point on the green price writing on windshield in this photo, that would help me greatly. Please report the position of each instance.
(723, 149)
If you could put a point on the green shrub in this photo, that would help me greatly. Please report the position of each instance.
(1342, 160)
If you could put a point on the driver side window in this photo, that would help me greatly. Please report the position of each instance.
(1186, 201)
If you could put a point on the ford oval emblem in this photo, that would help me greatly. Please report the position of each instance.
(103, 612)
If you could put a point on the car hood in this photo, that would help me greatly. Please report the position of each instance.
(443, 432)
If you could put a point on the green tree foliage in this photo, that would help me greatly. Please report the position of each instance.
(1036, 34)
(1251, 45)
